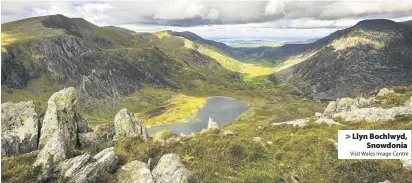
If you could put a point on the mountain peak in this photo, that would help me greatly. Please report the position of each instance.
(376, 24)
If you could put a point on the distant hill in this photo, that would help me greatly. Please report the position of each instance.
(370, 55)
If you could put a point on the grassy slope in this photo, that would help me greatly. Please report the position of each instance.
(308, 153)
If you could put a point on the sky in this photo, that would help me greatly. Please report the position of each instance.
(277, 19)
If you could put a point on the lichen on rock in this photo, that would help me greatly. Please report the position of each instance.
(19, 128)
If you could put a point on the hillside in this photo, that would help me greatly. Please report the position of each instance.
(368, 56)
(43, 54)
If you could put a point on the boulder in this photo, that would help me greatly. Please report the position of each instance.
(88, 139)
(170, 169)
(212, 125)
(59, 133)
(103, 162)
(126, 125)
(19, 128)
(407, 163)
(134, 172)
(228, 133)
(384, 91)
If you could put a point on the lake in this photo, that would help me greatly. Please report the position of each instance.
(223, 110)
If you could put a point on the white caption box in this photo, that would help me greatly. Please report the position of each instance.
(374, 144)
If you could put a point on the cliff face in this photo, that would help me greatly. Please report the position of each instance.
(370, 55)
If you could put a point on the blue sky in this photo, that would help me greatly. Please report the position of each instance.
(277, 19)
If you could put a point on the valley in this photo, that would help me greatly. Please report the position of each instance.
(277, 108)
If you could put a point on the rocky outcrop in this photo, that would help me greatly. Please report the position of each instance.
(126, 125)
(212, 125)
(347, 104)
(135, 172)
(170, 169)
(82, 168)
(359, 109)
(19, 128)
(373, 114)
(60, 127)
(61, 118)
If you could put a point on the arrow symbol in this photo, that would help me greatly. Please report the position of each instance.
(347, 136)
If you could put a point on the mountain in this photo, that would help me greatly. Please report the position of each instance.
(368, 56)
(43, 54)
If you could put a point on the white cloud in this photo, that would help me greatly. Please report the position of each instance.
(275, 8)
(185, 9)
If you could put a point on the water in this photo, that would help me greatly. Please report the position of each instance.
(223, 110)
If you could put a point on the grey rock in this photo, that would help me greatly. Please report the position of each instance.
(170, 169)
(19, 128)
(212, 125)
(228, 133)
(407, 163)
(346, 105)
(135, 172)
(103, 162)
(373, 114)
(72, 166)
(318, 114)
(126, 125)
(55, 149)
(59, 128)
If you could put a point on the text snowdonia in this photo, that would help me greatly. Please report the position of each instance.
(383, 136)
